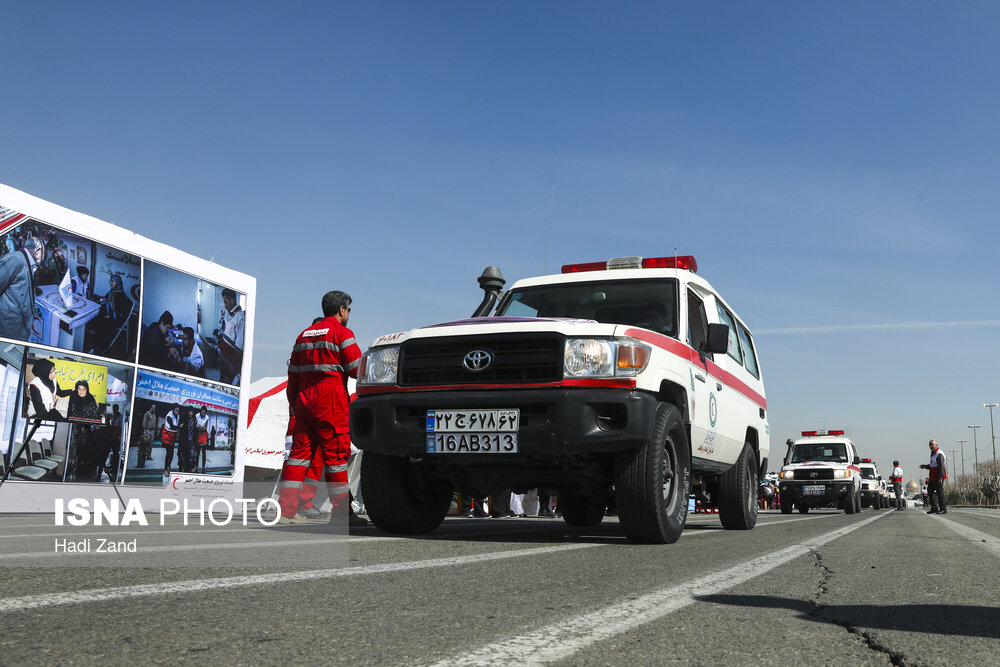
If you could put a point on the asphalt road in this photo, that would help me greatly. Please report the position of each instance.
(876, 588)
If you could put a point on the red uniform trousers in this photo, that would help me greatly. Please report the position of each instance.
(316, 437)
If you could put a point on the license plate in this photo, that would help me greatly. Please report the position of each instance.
(813, 490)
(472, 443)
(473, 421)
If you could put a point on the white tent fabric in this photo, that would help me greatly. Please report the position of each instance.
(265, 436)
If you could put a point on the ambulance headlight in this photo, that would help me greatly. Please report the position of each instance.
(788, 474)
(596, 357)
(589, 357)
(380, 366)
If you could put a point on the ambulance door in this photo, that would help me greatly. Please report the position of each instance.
(703, 434)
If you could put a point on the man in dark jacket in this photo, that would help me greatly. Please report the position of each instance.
(17, 289)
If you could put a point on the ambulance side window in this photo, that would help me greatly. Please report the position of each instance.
(734, 343)
(750, 359)
(697, 321)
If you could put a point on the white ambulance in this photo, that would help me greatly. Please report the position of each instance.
(821, 468)
(631, 376)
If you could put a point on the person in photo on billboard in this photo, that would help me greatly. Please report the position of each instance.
(192, 359)
(42, 391)
(17, 289)
(171, 425)
(325, 354)
(145, 449)
(201, 430)
(188, 440)
(80, 281)
(231, 337)
(154, 348)
(82, 404)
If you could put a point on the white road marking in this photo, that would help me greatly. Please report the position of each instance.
(985, 540)
(567, 636)
(202, 585)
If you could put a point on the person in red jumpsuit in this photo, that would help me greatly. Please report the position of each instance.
(324, 356)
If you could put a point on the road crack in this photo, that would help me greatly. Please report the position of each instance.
(819, 612)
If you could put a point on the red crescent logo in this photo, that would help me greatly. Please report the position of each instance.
(174, 483)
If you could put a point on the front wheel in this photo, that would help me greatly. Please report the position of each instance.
(738, 492)
(852, 503)
(803, 508)
(400, 496)
(786, 504)
(652, 482)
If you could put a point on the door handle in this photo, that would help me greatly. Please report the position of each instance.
(718, 386)
(699, 377)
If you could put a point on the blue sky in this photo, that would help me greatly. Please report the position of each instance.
(833, 167)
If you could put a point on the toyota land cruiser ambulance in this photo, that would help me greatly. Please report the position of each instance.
(871, 488)
(821, 468)
(630, 376)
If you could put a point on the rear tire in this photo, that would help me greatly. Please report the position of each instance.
(581, 511)
(738, 492)
(400, 497)
(652, 482)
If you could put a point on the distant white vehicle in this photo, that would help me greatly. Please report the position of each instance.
(821, 468)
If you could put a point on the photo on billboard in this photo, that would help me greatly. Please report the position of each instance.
(181, 425)
(72, 419)
(191, 326)
(64, 290)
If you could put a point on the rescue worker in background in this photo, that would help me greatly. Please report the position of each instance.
(324, 356)
(938, 472)
(897, 484)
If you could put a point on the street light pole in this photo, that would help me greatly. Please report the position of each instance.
(975, 470)
(961, 443)
(993, 436)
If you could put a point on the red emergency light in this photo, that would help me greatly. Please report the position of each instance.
(808, 434)
(866, 460)
(686, 262)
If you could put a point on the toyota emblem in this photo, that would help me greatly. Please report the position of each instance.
(813, 474)
(477, 360)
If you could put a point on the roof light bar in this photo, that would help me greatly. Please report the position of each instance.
(686, 262)
(807, 434)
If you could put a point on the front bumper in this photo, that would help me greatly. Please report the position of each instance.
(554, 422)
(832, 491)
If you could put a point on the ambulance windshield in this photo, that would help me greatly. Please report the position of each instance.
(829, 451)
(651, 304)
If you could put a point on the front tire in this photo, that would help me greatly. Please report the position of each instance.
(652, 482)
(803, 508)
(581, 511)
(786, 504)
(738, 492)
(852, 503)
(400, 497)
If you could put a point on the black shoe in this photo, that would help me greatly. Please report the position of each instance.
(467, 515)
(313, 513)
(932, 511)
(354, 521)
(545, 512)
(942, 511)
(481, 515)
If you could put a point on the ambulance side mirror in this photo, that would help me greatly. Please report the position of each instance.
(718, 339)
(857, 460)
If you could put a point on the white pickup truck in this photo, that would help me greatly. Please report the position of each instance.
(630, 376)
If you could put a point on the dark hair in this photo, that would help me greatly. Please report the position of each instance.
(42, 368)
(318, 319)
(82, 383)
(80, 270)
(188, 331)
(895, 463)
(229, 293)
(334, 300)
(166, 318)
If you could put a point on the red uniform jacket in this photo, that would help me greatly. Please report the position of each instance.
(325, 354)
